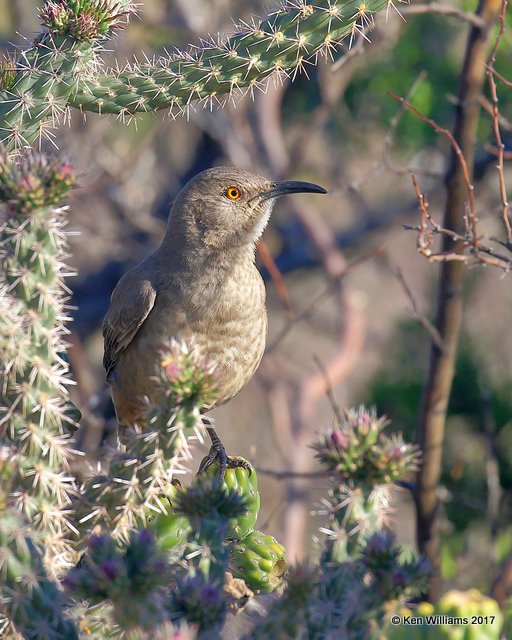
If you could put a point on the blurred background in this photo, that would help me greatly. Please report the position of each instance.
(347, 309)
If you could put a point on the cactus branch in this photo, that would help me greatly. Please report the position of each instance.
(285, 42)
(61, 69)
(35, 412)
(36, 93)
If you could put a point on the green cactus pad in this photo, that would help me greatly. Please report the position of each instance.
(170, 528)
(259, 560)
(245, 482)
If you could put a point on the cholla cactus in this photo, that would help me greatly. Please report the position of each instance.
(365, 463)
(31, 605)
(122, 499)
(134, 575)
(61, 70)
(34, 407)
(345, 597)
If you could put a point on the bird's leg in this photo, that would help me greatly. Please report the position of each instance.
(218, 454)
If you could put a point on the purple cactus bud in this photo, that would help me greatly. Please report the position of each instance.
(29, 182)
(110, 569)
(340, 440)
(71, 581)
(66, 172)
(362, 422)
(399, 579)
(210, 595)
(172, 371)
(97, 542)
(379, 544)
(145, 537)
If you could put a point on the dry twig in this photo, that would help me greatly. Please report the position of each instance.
(505, 213)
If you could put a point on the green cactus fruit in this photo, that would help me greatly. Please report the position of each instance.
(483, 614)
(244, 481)
(170, 529)
(259, 560)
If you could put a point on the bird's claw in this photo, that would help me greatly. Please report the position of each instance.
(237, 462)
(217, 454)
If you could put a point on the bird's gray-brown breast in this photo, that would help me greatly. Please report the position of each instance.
(225, 319)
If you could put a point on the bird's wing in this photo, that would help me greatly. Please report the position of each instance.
(130, 304)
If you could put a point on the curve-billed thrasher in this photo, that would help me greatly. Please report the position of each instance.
(200, 286)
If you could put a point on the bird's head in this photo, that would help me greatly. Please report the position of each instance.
(226, 207)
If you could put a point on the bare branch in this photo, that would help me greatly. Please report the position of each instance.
(330, 392)
(285, 475)
(461, 159)
(505, 211)
(417, 314)
(453, 12)
(277, 277)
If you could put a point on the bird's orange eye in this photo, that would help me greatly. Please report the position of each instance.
(233, 193)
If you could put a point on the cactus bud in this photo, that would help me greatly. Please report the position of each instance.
(357, 449)
(189, 379)
(84, 20)
(208, 499)
(34, 181)
(199, 601)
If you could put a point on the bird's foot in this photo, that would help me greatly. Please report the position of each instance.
(218, 454)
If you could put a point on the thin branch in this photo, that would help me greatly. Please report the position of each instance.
(505, 211)
(502, 78)
(390, 133)
(417, 314)
(330, 392)
(277, 277)
(460, 158)
(487, 105)
(452, 12)
(285, 475)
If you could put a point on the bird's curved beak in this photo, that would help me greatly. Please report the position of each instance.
(290, 186)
